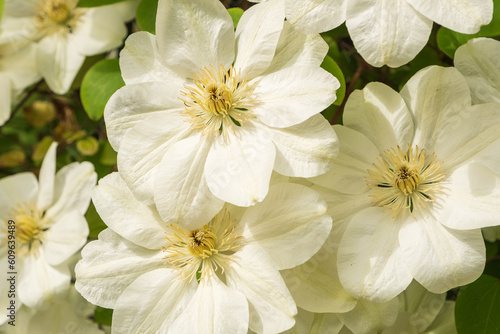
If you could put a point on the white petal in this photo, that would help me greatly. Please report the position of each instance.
(349, 169)
(65, 237)
(294, 94)
(465, 16)
(140, 61)
(133, 103)
(58, 61)
(380, 114)
(99, 30)
(257, 36)
(238, 169)
(313, 16)
(193, 34)
(440, 258)
(445, 321)
(181, 193)
(46, 178)
(368, 317)
(315, 323)
(306, 149)
(471, 198)
(290, 224)
(39, 281)
(315, 285)
(73, 184)
(16, 189)
(214, 308)
(271, 306)
(387, 32)
(125, 215)
(477, 60)
(297, 49)
(162, 298)
(342, 206)
(370, 262)
(154, 135)
(446, 124)
(109, 265)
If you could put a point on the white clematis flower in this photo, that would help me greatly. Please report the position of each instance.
(64, 34)
(214, 111)
(222, 277)
(47, 217)
(417, 177)
(388, 32)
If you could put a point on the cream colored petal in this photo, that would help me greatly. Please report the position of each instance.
(313, 16)
(46, 178)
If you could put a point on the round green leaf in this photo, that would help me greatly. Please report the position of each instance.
(96, 3)
(331, 66)
(100, 82)
(477, 308)
(235, 13)
(146, 15)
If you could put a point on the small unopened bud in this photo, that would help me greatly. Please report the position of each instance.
(39, 113)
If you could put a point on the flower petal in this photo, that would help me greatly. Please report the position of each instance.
(73, 184)
(163, 298)
(257, 36)
(140, 61)
(238, 168)
(5, 98)
(471, 198)
(16, 189)
(289, 212)
(193, 34)
(297, 49)
(306, 149)
(349, 169)
(38, 280)
(46, 178)
(181, 193)
(272, 308)
(214, 308)
(65, 237)
(380, 114)
(465, 16)
(109, 265)
(387, 33)
(99, 30)
(368, 317)
(478, 62)
(441, 258)
(313, 16)
(134, 103)
(315, 285)
(125, 215)
(446, 124)
(154, 135)
(58, 61)
(293, 95)
(370, 262)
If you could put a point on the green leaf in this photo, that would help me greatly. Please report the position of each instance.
(235, 13)
(331, 66)
(449, 40)
(96, 3)
(100, 82)
(478, 307)
(146, 15)
(103, 316)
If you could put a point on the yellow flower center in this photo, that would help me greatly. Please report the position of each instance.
(204, 250)
(57, 16)
(405, 181)
(218, 100)
(29, 227)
